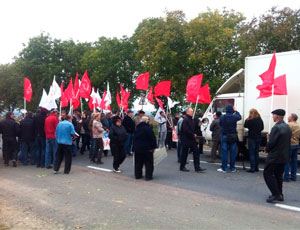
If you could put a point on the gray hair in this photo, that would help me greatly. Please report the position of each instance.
(294, 116)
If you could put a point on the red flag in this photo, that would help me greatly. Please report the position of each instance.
(193, 87)
(150, 96)
(125, 96)
(27, 89)
(91, 104)
(204, 95)
(161, 105)
(76, 86)
(85, 86)
(63, 98)
(163, 88)
(142, 81)
(280, 85)
(268, 79)
(69, 90)
(103, 102)
(118, 100)
(75, 102)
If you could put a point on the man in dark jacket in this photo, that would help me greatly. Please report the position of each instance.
(144, 144)
(10, 129)
(129, 125)
(216, 130)
(40, 137)
(27, 139)
(188, 136)
(229, 140)
(278, 153)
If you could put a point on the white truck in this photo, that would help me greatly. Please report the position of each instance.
(240, 91)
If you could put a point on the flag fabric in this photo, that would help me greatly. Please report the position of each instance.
(85, 86)
(47, 102)
(193, 87)
(280, 87)
(107, 97)
(124, 98)
(171, 103)
(162, 89)
(75, 102)
(103, 103)
(268, 79)
(150, 96)
(161, 105)
(54, 92)
(69, 92)
(98, 99)
(63, 98)
(27, 89)
(204, 95)
(76, 86)
(118, 100)
(142, 81)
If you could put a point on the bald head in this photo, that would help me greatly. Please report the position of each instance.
(190, 111)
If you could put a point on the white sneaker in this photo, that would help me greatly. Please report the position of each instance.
(55, 172)
(117, 171)
(221, 170)
(234, 171)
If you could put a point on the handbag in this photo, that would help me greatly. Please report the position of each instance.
(159, 155)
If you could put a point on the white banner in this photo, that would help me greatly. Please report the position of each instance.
(106, 141)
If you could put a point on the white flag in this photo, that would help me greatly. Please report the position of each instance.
(171, 103)
(98, 98)
(94, 96)
(107, 98)
(44, 99)
(54, 92)
(47, 102)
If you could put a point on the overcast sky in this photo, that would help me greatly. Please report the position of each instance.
(86, 20)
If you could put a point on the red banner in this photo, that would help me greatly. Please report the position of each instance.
(142, 82)
(85, 86)
(163, 88)
(27, 89)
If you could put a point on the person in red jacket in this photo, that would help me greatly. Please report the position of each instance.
(51, 145)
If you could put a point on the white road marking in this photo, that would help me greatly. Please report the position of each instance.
(292, 208)
(237, 166)
(100, 169)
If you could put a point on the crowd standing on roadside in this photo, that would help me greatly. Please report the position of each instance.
(46, 138)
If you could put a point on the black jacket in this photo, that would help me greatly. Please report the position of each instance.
(278, 146)
(229, 121)
(27, 129)
(129, 124)
(9, 128)
(144, 138)
(39, 124)
(187, 132)
(216, 130)
(255, 126)
(117, 135)
(86, 123)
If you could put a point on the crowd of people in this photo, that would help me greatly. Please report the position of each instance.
(46, 138)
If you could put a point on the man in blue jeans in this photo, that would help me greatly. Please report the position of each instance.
(129, 125)
(229, 139)
(292, 164)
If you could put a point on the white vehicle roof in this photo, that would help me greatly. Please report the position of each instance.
(234, 84)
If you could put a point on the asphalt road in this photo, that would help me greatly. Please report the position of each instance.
(32, 198)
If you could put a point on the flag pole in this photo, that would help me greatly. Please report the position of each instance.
(287, 107)
(24, 103)
(60, 110)
(196, 106)
(272, 102)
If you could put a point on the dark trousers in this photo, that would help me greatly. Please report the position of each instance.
(273, 175)
(10, 151)
(169, 141)
(141, 159)
(28, 149)
(253, 145)
(40, 151)
(63, 151)
(216, 146)
(119, 155)
(196, 156)
(98, 149)
(85, 142)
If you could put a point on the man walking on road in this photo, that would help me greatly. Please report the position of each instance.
(188, 136)
(64, 132)
(278, 153)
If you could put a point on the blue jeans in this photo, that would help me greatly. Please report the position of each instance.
(51, 148)
(40, 151)
(128, 144)
(179, 149)
(28, 147)
(291, 164)
(253, 145)
(232, 148)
